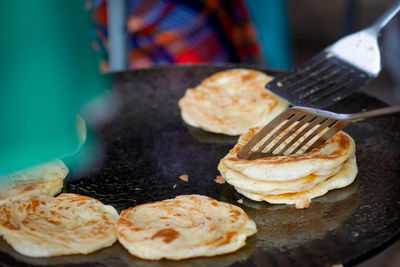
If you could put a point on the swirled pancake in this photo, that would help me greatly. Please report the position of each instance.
(184, 227)
(46, 226)
(245, 183)
(292, 179)
(43, 179)
(231, 102)
(319, 161)
(341, 179)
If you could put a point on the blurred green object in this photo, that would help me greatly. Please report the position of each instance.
(48, 71)
(271, 20)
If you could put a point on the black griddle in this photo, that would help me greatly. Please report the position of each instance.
(146, 146)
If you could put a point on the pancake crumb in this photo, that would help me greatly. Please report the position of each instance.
(184, 177)
(240, 201)
(220, 180)
(303, 204)
(174, 186)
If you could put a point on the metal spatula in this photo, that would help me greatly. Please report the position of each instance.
(299, 127)
(337, 71)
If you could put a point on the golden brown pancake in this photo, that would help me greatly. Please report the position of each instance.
(292, 179)
(239, 180)
(341, 179)
(231, 102)
(43, 179)
(184, 227)
(283, 168)
(47, 226)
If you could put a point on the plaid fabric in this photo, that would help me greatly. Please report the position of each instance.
(181, 32)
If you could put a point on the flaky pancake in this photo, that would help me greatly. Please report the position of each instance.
(184, 227)
(43, 179)
(231, 102)
(47, 226)
(245, 183)
(341, 179)
(284, 168)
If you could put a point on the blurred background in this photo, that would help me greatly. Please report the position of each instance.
(280, 34)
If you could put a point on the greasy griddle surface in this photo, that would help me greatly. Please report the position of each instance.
(146, 147)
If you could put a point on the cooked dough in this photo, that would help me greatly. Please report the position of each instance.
(50, 226)
(241, 181)
(319, 161)
(231, 102)
(292, 179)
(341, 179)
(43, 179)
(184, 227)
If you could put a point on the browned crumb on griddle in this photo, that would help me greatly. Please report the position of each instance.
(220, 180)
(184, 177)
(303, 204)
(240, 201)
(174, 186)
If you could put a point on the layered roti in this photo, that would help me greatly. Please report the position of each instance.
(292, 179)
(231, 102)
(341, 179)
(46, 226)
(43, 179)
(184, 227)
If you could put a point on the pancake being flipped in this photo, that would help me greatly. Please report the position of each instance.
(43, 179)
(292, 179)
(184, 227)
(239, 180)
(320, 161)
(231, 102)
(343, 178)
(47, 226)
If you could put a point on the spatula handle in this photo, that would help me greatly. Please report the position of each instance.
(376, 113)
(386, 17)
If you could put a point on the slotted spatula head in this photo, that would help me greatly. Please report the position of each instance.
(319, 82)
(302, 129)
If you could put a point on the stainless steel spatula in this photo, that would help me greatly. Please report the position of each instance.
(337, 71)
(299, 127)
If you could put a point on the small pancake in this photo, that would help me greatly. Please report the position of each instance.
(184, 227)
(284, 168)
(243, 182)
(43, 179)
(47, 226)
(231, 102)
(341, 179)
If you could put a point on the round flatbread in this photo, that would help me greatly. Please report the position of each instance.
(245, 183)
(43, 179)
(343, 178)
(231, 102)
(184, 227)
(50, 226)
(319, 161)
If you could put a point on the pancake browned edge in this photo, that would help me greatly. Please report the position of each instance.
(43, 179)
(292, 179)
(231, 102)
(47, 226)
(184, 227)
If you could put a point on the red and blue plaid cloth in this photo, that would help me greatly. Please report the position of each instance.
(181, 32)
